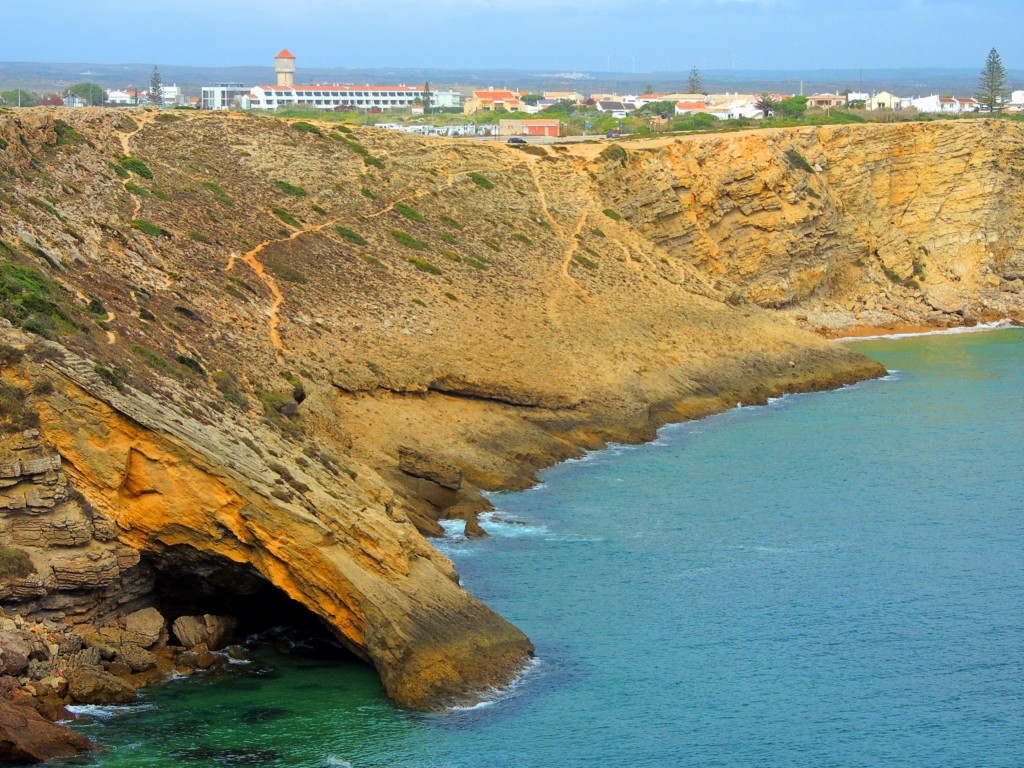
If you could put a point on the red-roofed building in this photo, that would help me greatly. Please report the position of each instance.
(492, 100)
(530, 127)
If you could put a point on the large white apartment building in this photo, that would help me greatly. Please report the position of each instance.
(329, 97)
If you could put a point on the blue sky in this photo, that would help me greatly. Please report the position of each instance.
(547, 35)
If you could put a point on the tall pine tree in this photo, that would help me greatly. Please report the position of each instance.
(695, 83)
(156, 89)
(992, 83)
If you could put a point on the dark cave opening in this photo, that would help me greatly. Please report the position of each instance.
(189, 582)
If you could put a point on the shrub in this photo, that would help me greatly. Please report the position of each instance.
(137, 167)
(191, 363)
(448, 238)
(227, 385)
(424, 266)
(408, 211)
(155, 361)
(614, 153)
(480, 180)
(452, 256)
(114, 377)
(451, 296)
(45, 206)
(612, 214)
(285, 271)
(373, 260)
(95, 307)
(149, 228)
(3, 143)
(218, 193)
(365, 192)
(200, 238)
(795, 160)
(408, 240)
(10, 355)
(286, 217)
(303, 127)
(477, 264)
(579, 258)
(122, 172)
(290, 189)
(376, 162)
(186, 312)
(597, 232)
(351, 236)
(15, 564)
(135, 189)
(451, 222)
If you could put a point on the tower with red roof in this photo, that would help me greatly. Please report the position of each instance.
(284, 65)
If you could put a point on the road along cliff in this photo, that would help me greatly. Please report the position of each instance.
(265, 357)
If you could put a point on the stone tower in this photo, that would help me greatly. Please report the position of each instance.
(284, 65)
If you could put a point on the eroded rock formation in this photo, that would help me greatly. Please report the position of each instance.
(261, 356)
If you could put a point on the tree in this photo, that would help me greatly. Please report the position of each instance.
(19, 98)
(992, 83)
(695, 83)
(766, 103)
(794, 106)
(91, 92)
(428, 98)
(156, 89)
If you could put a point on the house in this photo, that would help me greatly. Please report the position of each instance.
(857, 96)
(124, 98)
(885, 100)
(492, 100)
(449, 99)
(530, 127)
(968, 105)
(74, 100)
(617, 109)
(570, 96)
(691, 107)
(825, 101)
(936, 104)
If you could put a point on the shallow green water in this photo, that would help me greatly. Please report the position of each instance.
(833, 579)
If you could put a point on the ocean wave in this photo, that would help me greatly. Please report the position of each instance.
(980, 327)
(504, 527)
(107, 711)
(493, 696)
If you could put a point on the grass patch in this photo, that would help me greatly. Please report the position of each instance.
(476, 263)
(480, 180)
(200, 238)
(374, 260)
(522, 238)
(32, 301)
(218, 193)
(597, 232)
(367, 193)
(136, 166)
(352, 237)
(43, 205)
(227, 384)
(290, 189)
(121, 172)
(451, 222)
(424, 266)
(448, 238)
(408, 211)
(408, 240)
(286, 217)
(452, 256)
(612, 214)
(376, 162)
(450, 296)
(155, 361)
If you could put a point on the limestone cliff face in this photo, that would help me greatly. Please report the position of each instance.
(844, 225)
(286, 350)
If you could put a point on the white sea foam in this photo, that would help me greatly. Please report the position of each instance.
(493, 696)
(499, 526)
(106, 712)
(980, 327)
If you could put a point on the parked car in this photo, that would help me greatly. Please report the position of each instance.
(613, 134)
(516, 140)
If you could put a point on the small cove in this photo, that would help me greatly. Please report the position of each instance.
(831, 579)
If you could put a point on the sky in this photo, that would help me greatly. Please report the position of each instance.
(535, 35)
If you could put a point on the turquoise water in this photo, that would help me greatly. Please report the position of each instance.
(834, 579)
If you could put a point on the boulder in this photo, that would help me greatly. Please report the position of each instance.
(136, 657)
(212, 631)
(93, 686)
(14, 653)
(144, 626)
(25, 736)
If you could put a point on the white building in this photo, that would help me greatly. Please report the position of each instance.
(943, 105)
(118, 98)
(446, 99)
(332, 97)
(222, 95)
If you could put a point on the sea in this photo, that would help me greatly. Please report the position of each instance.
(831, 579)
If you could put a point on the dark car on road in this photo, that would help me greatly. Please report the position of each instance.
(516, 140)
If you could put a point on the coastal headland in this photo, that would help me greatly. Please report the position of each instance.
(249, 357)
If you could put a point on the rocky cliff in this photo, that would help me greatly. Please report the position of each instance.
(271, 355)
